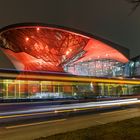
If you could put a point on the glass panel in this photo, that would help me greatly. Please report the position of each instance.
(23, 89)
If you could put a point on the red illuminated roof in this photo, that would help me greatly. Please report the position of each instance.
(46, 48)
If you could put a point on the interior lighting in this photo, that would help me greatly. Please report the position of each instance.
(38, 29)
(67, 52)
(27, 38)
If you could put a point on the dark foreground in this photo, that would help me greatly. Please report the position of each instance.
(121, 130)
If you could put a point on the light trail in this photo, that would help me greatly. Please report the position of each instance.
(67, 108)
(69, 78)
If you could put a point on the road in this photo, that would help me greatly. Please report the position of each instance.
(32, 126)
(47, 128)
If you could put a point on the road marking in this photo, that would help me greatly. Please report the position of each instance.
(32, 124)
(99, 122)
(117, 111)
(23, 115)
(43, 113)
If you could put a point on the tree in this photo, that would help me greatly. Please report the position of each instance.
(136, 4)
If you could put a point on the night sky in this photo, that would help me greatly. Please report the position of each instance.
(108, 19)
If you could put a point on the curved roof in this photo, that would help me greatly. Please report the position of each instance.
(34, 46)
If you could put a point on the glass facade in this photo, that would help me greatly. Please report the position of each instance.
(98, 68)
(27, 89)
(38, 49)
(132, 68)
(41, 48)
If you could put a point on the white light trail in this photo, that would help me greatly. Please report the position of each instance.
(76, 106)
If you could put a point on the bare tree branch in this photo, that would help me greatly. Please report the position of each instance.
(136, 4)
(133, 1)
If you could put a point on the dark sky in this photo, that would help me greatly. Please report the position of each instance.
(105, 18)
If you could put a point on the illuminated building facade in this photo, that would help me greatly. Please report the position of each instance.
(134, 67)
(42, 48)
(38, 49)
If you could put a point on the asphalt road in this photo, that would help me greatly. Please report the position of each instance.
(30, 113)
(47, 128)
(28, 126)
